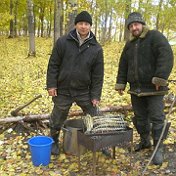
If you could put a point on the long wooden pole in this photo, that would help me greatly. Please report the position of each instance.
(28, 118)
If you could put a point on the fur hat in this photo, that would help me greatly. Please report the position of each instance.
(83, 16)
(135, 17)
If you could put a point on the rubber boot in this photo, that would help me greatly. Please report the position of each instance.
(55, 145)
(144, 131)
(143, 144)
(159, 155)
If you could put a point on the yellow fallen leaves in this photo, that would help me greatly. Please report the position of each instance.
(51, 165)
(53, 173)
(72, 166)
(164, 165)
(169, 140)
(24, 174)
(18, 91)
(62, 157)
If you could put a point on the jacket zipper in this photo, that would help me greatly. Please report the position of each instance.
(79, 51)
(78, 40)
(136, 64)
(83, 43)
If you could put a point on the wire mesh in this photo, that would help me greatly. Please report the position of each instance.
(104, 123)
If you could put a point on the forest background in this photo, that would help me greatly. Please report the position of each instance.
(28, 31)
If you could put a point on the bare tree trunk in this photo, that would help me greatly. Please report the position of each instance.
(34, 9)
(42, 20)
(11, 21)
(121, 29)
(39, 27)
(116, 32)
(49, 23)
(24, 26)
(127, 11)
(31, 28)
(15, 18)
(61, 18)
(104, 30)
(57, 14)
(158, 14)
(110, 27)
(96, 25)
(71, 15)
(96, 20)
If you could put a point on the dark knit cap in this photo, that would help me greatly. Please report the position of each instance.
(83, 16)
(135, 17)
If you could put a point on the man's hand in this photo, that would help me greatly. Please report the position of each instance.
(95, 102)
(120, 91)
(52, 92)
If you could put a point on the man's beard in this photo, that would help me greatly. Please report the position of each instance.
(136, 33)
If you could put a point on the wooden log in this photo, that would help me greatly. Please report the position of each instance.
(29, 118)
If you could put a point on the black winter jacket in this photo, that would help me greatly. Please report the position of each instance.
(76, 67)
(145, 61)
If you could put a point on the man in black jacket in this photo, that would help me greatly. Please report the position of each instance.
(75, 74)
(146, 63)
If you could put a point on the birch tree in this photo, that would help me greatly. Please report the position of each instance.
(11, 35)
(127, 12)
(57, 19)
(31, 28)
(72, 14)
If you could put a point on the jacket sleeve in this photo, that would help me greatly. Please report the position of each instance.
(54, 66)
(97, 75)
(121, 79)
(164, 59)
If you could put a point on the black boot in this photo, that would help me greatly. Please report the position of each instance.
(156, 132)
(159, 155)
(55, 145)
(144, 131)
(55, 149)
(143, 144)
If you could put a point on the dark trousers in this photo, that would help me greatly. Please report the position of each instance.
(62, 104)
(148, 109)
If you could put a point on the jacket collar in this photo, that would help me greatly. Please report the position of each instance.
(82, 40)
(143, 34)
(73, 36)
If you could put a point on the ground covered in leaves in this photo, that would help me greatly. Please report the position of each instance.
(22, 78)
(16, 159)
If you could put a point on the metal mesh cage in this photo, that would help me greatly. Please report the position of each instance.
(104, 123)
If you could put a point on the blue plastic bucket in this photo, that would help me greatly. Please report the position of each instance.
(40, 147)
